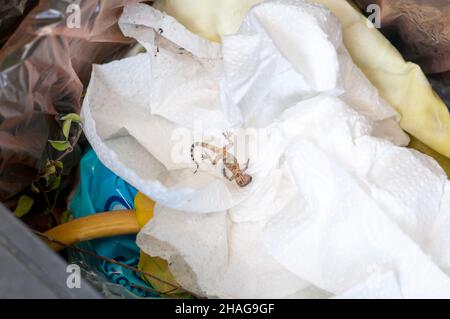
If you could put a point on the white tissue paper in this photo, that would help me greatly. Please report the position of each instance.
(337, 206)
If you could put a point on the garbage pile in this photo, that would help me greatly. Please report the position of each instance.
(286, 153)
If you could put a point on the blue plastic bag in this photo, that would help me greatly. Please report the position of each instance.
(100, 190)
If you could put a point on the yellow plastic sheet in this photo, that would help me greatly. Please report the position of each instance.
(144, 207)
(403, 84)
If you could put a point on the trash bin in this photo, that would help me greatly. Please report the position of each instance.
(29, 269)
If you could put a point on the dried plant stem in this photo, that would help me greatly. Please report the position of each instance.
(73, 143)
(50, 207)
(155, 291)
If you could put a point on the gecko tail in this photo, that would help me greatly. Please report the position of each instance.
(193, 159)
(196, 170)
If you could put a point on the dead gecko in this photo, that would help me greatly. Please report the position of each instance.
(229, 161)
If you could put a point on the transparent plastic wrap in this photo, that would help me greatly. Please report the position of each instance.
(12, 13)
(95, 275)
(43, 67)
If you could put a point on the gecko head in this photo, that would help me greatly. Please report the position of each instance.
(243, 179)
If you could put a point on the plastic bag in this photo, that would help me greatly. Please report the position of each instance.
(102, 191)
(12, 13)
(43, 67)
(419, 29)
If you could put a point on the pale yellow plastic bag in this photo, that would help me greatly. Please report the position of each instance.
(403, 84)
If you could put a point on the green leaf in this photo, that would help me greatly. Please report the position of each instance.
(59, 164)
(53, 183)
(34, 188)
(67, 124)
(72, 117)
(44, 180)
(60, 145)
(66, 217)
(50, 170)
(23, 206)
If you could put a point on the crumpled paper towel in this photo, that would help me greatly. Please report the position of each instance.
(402, 84)
(337, 207)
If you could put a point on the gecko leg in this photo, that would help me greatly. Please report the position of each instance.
(206, 156)
(228, 136)
(226, 175)
(246, 166)
(217, 159)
